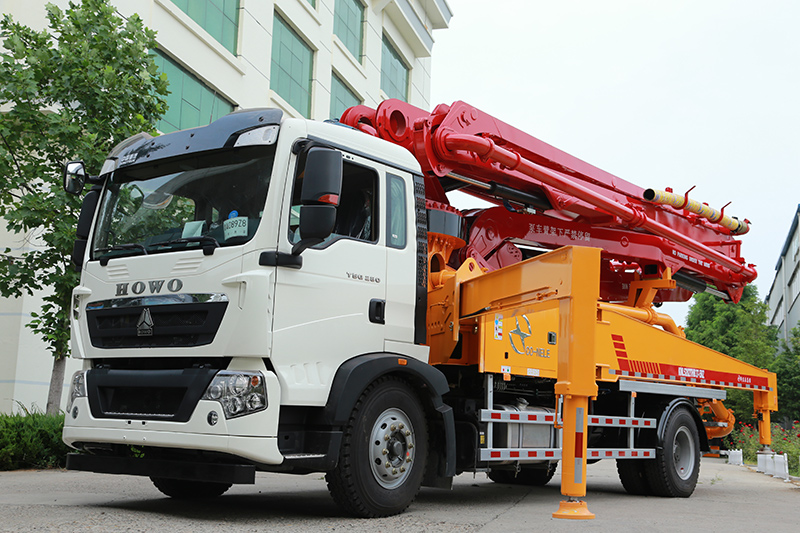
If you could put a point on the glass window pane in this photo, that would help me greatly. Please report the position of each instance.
(216, 17)
(190, 101)
(394, 73)
(292, 64)
(341, 97)
(397, 212)
(348, 25)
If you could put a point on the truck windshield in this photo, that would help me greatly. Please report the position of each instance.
(204, 201)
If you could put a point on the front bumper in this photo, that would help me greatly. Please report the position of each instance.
(185, 470)
(252, 437)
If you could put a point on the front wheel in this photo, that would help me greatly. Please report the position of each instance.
(673, 473)
(383, 453)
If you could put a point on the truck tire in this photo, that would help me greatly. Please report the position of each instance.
(532, 476)
(383, 453)
(189, 490)
(673, 473)
(633, 476)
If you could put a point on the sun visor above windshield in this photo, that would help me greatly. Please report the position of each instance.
(222, 133)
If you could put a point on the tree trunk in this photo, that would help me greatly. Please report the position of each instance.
(56, 385)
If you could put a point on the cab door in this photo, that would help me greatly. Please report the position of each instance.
(332, 307)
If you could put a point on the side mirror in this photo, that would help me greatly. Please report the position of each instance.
(84, 226)
(322, 186)
(74, 177)
(322, 181)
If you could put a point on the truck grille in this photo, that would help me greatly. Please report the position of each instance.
(155, 326)
(146, 394)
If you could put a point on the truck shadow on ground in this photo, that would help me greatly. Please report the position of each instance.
(298, 503)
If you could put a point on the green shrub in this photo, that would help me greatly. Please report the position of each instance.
(745, 437)
(32, 440)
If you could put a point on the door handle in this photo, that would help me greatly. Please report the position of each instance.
(377, 311)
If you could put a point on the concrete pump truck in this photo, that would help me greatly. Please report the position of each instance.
(276, 294)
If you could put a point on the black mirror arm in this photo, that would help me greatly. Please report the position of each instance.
(298, 248)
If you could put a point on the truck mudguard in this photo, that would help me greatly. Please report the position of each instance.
(357, 373)
(663, 419)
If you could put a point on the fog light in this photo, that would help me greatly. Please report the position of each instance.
(212, 418)
(75, 412)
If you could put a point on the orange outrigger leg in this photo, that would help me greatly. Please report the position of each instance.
(576, 377)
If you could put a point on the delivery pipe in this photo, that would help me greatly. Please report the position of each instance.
(737, 227)
(449, 142)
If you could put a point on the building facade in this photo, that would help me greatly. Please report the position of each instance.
(309, 58)
(784, 305)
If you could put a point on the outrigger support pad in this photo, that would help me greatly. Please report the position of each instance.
(574, 510)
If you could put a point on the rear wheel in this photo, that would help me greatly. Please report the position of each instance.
(383, 453)
(633, 476)
(673, 473)
(534, 476)
(189, 490)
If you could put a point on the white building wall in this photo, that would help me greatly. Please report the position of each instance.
(784, 295)
(242, 79)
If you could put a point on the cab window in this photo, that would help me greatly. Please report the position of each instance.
(357, 213)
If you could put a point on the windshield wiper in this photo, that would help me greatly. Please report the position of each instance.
(117, 247)
(208, 243)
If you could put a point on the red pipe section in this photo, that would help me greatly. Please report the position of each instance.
(487, 149)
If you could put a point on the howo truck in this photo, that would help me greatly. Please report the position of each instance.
(267, 293)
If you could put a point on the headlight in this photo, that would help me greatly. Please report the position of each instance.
(239, 393)
(78, 388)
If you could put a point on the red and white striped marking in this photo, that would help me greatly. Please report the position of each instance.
(621, 421)
(647, 369)
(620, 453)
(489, 415)
(579, 444)
(684, 379)
(520, 454)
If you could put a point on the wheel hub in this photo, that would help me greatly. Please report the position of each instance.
(391, 448)
(683, 453)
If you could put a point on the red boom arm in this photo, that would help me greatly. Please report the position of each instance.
(560, 200)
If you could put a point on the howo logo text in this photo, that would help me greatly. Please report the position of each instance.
(139, 287)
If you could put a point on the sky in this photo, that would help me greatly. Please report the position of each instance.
(660, 93)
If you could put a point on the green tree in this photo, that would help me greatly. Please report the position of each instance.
(787, 368)
(70, 92)
(739, 330)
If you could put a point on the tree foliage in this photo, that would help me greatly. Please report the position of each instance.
(739, 330)
(69, 92)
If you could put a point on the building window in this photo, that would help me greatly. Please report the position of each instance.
(341, 97)
(794, 286)
(292, 62)
(778, 315)
(220, 18)
(313, 3)
(191, 102)
(348, 25)
(394, 72)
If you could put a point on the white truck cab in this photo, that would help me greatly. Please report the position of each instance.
(243, 286)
